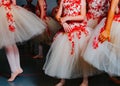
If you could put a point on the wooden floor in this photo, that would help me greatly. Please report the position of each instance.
(33, 74)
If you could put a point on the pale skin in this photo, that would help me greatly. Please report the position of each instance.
(43, 11)
(13, 2)
(41, 5)
(55, 9)
(105, 35)
(67, 28)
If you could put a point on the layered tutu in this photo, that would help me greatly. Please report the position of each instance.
(92, 23)
(26, 25)
(105, 56)
(64, 59)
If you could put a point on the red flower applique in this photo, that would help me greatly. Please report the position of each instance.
(102, 29)
(11, 28)
(95, 43)
(10, 19)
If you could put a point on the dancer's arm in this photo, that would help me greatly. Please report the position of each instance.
(59, 16)
(41, 5)
(105, 35)
(14, 2)
(59, 12)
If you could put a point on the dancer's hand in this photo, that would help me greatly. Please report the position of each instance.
(57, 18)
(63, 19)
(47, 18)
(66, 27)
(105, 35)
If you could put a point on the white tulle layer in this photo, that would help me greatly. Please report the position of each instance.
(61, 64)
(107, 56)
(92, 23)
(27, 25)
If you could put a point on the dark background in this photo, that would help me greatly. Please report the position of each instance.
(50, 4)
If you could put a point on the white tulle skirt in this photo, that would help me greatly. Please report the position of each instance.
(92, 23)
(105, 56)
(27, 25)
(61, 63)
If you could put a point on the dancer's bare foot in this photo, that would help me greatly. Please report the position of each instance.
(61, 83)
(15, 74)
(84, 84)
(38, 57)
(115, 79)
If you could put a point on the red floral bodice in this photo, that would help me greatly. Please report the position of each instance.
(97, 8)
(72, 8)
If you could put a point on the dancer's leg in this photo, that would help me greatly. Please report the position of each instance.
(61, 83)
(12, 62)
(10, 56)
(17, 58)
(85, 81)
(40, 53)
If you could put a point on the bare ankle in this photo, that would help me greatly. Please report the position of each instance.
(85, 83)
(61, 83)
(20, 70)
